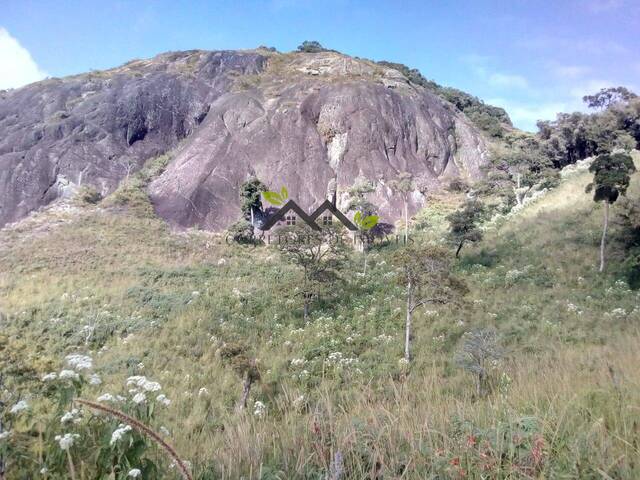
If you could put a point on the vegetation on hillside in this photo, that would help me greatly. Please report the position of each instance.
(530, 374)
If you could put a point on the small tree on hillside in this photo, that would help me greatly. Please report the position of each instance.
(403, 185)
(425, 273)
(608, 96)
(611, 177)
(311, 46)
(320, 256)
(479, 348)
(238, 358)
(358, 193)
(250, 198)
(463, 224)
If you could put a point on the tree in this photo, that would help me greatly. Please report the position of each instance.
(319, 254)
(478, 348)
(403, 185)
(425, 273)
(607, 97)
(610, 180)
(365, 224)
(237, 356)
(250, 198)
(311, 46)
(463, 224)
(358, 193)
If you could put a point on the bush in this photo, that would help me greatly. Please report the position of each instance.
(88, 195)
(311, 46)
(241, 232)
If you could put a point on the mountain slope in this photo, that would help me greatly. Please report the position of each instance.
(300, 120)
(143, 300)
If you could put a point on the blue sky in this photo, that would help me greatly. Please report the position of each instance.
(535, 58)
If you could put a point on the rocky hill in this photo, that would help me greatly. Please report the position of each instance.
(303, 120)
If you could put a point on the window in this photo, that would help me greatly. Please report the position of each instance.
(290, 219)
(327, 220)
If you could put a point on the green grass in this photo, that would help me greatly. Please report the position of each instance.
(566, 397)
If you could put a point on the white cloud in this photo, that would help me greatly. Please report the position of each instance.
(507, 81)
(570, 71)
(525, 115)
(589, 88)
(17, 67)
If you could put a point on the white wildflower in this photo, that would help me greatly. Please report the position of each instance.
(203, 391)
(95, 380)
(80, 362)
(106, 397)
(67, 440)
(298, 362)
(139, 398)
(143, 383)
(19, 407)
(165, 431)
(68, 375)
(50, 377)
(259, 409)
(118, 433)
(134, 473)
(72, 416)
(403, 362)
(162, 398)
(299, 401)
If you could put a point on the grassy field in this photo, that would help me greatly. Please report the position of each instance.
(333, 399)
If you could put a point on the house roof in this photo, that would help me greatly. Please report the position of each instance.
(327, 205)
(286, 208)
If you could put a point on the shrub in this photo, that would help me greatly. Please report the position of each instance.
(241, 232)
(311, 46)
(88, 195)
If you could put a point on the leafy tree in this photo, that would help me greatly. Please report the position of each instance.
(607, 97)
(403, 185)
(358, 193)
(478, 349)
(244, 364)
(311, 46)
(463, 224)
(611, 177)
(486, 117)
(365, 224)
(425, 273)
(318, 254)
(250, 201)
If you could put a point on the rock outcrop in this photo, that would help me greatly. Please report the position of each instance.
(301, 120)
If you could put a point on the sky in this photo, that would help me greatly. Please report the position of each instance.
(534, 58)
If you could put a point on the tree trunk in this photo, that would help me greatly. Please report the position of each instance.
(604, 234)
(252, 217)
(407, 332)
(406, 222)
(246, 388)
(306, 309)
(459, 248)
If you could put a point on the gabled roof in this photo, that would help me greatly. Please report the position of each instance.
(286, 208)
(327, 205)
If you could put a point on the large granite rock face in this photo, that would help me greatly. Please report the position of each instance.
(300, 120)
(94, 128)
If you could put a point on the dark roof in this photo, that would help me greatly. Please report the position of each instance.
(279, 215)
(327, 205)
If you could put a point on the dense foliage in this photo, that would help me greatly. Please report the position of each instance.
(488, 118)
